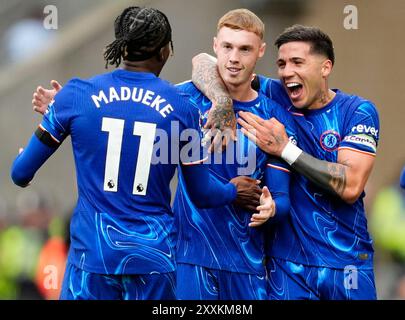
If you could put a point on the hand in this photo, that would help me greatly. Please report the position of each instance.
(222, 124)
(267, 209)
(248, 193)
(268, 135)
(43, 97)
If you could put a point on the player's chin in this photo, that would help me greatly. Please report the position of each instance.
(236, 81)
(299, 103)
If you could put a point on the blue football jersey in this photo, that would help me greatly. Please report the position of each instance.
(323, 230)
(220, 238)
(124, 128)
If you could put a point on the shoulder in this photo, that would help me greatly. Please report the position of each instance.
(358, 104)
(188, 87)
(273, 108)
(268, 84)
(76, 86)
(179, 97)
(71, 90)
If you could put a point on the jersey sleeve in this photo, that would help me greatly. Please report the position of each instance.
(30, 160)
(193, 149)
(362, 131)
(277, 179)
(56, 120)
(196, 174)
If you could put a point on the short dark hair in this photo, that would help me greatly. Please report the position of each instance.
(320, 41)
(140, 33)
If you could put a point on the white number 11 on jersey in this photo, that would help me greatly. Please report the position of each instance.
(115, 128)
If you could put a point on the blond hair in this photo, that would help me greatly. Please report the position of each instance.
(242, 19)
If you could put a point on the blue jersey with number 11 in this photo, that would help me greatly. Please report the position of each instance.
(122, 124)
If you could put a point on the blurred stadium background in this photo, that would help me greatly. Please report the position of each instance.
(369, 63)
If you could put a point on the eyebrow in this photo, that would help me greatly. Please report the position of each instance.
(243, 46)
(294, 59)
(297, 58)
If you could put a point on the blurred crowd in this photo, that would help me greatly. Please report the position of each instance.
(33, 248)
(387, 226)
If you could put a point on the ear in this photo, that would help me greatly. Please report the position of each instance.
(215, 44)
(262, 49)
(326, 68)
(161, 55)
(164, 53)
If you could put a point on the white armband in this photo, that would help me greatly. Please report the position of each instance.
(290, 153)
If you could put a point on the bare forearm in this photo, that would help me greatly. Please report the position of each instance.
(327, 175)
(207, 79)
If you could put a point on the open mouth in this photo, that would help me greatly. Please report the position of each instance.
(294, 89)
(234, 70)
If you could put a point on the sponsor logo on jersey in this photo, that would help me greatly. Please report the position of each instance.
(361, 128)
(362, 139)
(330, 140)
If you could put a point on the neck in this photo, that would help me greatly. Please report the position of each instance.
(325, 96)
(142, 66)
(242, 92)
(324, 99)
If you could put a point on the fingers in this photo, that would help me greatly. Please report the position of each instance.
(274, 121)
(229, 134)
(252, 119)
(267, 206)
(245, 124)
(259, 217)
(42, 98)
(20, 150)
(217, 142)
(255, 224)
(38, 105)
(220, 139)
(43, 93)
(56, 85)
(208, 124)
(250, 135)
(264, 207)
(266, 192)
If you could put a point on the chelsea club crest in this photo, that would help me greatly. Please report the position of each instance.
(330, 140)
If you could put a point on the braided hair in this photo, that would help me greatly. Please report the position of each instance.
(140, 33)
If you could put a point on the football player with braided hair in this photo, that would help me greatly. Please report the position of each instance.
(122, 229)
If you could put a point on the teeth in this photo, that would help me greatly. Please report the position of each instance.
(292, 84)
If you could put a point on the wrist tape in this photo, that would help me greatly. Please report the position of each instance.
(290, 153)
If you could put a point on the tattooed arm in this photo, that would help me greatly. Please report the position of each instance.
(345, 179)
(206, 78)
